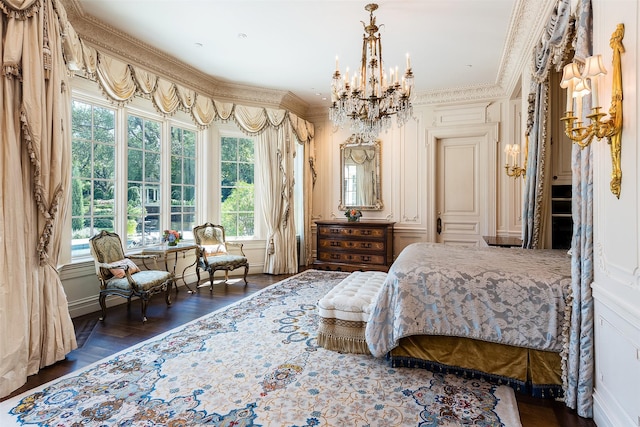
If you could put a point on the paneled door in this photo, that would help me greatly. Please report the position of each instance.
(464, 176)
(459, 204)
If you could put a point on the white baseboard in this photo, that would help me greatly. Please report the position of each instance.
(605, 416)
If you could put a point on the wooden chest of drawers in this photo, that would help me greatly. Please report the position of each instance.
(352, 246)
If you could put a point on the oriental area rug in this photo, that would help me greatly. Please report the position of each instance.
(257, 363)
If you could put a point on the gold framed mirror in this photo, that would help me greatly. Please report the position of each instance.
(360, 175)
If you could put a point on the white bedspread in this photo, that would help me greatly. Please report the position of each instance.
(506, 295)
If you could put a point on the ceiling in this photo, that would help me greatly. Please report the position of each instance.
(291, 45)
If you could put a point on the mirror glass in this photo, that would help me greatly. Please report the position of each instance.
(360, 175)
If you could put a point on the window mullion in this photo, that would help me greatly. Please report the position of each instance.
(121, 171)
(165, 176)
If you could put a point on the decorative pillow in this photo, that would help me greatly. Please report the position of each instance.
(212, 250)
(119, 272)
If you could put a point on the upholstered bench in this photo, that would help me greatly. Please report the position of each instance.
(345, 310)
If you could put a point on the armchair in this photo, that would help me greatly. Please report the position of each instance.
(213, 253)
(119, 275)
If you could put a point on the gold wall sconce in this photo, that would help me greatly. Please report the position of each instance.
(512, 152)
(577, 85)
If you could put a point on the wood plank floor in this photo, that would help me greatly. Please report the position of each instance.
(123, 328)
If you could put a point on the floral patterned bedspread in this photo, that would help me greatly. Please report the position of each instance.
(506, 295)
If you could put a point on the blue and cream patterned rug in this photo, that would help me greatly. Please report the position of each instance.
(257, 363)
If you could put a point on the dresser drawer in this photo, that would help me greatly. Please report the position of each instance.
(341, 231)
(359, 245)
(351, 258)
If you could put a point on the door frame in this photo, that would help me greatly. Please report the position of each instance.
(488, 175)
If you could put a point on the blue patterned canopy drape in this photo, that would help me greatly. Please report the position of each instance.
(580, 363)
(562, 29)
(549, 52)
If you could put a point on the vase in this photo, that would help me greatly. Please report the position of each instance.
(353, 219)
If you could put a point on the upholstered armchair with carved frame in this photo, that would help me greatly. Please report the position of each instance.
(213, 253)
(119, 275)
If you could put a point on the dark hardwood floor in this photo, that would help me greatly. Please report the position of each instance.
(123, 328)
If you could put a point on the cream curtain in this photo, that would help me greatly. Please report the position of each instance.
(35, 326)
(275, 150)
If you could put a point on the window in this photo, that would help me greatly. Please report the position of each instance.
(93, 173)
(237, 186)
(143, 181)
(183, 181)
(135, 179)
(350, 183)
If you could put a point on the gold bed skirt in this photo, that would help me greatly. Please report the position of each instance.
(530, 371)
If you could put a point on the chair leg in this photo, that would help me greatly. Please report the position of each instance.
(211, 273)
(246, 270)
(103, 306)
(198, 276)
(167, 294)
(144, 300)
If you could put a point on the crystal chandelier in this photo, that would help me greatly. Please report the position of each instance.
(370, 99)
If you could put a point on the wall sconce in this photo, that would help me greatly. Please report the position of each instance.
(513, 152)
(577, 85)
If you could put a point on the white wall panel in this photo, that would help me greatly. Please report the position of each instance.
(411, 167)
(616, 232)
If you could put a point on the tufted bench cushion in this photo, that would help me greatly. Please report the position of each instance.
(345, 310)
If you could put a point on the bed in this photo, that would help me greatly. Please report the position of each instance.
(489, 312)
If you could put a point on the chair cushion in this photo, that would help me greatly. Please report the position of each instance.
(146, 280)
(214, 250)
(119, 272)
(228, 261)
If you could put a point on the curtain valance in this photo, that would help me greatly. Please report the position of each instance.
(19, 9)
(120, 82)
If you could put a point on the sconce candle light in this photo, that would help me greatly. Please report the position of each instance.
(512, 151)
(579, 84)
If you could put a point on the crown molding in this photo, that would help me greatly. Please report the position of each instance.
(131, 50)
(526, 25)
(459, 94)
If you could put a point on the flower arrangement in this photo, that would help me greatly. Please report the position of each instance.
(353, 214)
(172, 237)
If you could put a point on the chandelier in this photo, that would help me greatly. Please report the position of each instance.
(371, 97)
